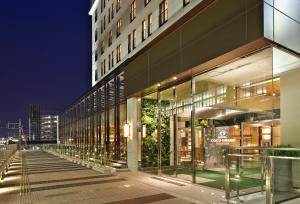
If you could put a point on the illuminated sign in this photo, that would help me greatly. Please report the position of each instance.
(222, 136)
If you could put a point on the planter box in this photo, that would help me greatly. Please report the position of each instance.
(283, 175)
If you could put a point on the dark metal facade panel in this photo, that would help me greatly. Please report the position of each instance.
(217, 29)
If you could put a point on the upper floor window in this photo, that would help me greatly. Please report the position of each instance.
(149, 24)
(163, 12)
(96, 15)
(118, 5)
(129, 42)
(133, 39)
(102, 47)
(112, 59)
(109, 62)
(185, 2)
(96, 75)
(110, 36)
(104, 3)
(119, 23)
(112, 11)
(104, 66)
(109, 15)
(96, 56)
(119, 50)
(96, 35)
(133, 10)
(144, 30)
(104, 22)
(101, 26)
(147, 2)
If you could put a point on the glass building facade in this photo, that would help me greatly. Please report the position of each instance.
(93, 127)
(195, 91)
(238, 103)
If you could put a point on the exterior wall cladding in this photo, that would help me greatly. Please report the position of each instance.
(130, 59)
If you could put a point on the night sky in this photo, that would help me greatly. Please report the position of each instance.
(45, 55)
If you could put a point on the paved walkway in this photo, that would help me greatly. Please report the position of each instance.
(55, 180)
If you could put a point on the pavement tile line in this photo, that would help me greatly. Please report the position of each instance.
(168, 181)
(62, 194)
(61, 180)
(70, 185)
(145, 199)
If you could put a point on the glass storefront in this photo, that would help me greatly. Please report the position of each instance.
(235, 104)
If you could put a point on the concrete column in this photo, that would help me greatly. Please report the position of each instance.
(290, 108)
(132, 141)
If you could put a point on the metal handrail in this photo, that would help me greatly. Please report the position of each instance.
(266, 162)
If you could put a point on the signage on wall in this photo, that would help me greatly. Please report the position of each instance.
(222, 136)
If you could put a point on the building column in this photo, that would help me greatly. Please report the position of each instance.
(289, 107)
(132, 140)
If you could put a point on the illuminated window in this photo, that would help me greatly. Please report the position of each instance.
(149, 24)
(133, 10)
(119, 49)
(118, 5)
(133, 39)
(144, 30)
(163, 12)
(147, 2)
(119, 23)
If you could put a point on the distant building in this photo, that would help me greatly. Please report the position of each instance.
(42, 126)
(49, 127)
(34, 123)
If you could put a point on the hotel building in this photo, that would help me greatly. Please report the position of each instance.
(173, 81)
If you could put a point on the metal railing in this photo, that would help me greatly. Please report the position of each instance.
(5, 160)
(85, 154)
(275, 174)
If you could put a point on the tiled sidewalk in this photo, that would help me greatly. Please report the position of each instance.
(55, 180)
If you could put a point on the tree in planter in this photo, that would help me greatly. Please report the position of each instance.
(149, 143)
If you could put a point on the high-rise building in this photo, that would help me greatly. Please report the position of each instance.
(49, 127)
(43, 126)
(34, 123)
(176, 80)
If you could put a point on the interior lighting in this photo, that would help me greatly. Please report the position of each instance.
(175, 78)
(126, 130)
(144, 131)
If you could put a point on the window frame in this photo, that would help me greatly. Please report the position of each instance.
(132, 10)
(163, 12)
(147, 2)
(149, 24)
(144, 29)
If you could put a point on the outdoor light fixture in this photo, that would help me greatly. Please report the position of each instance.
(126, 130)
(144, 131)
